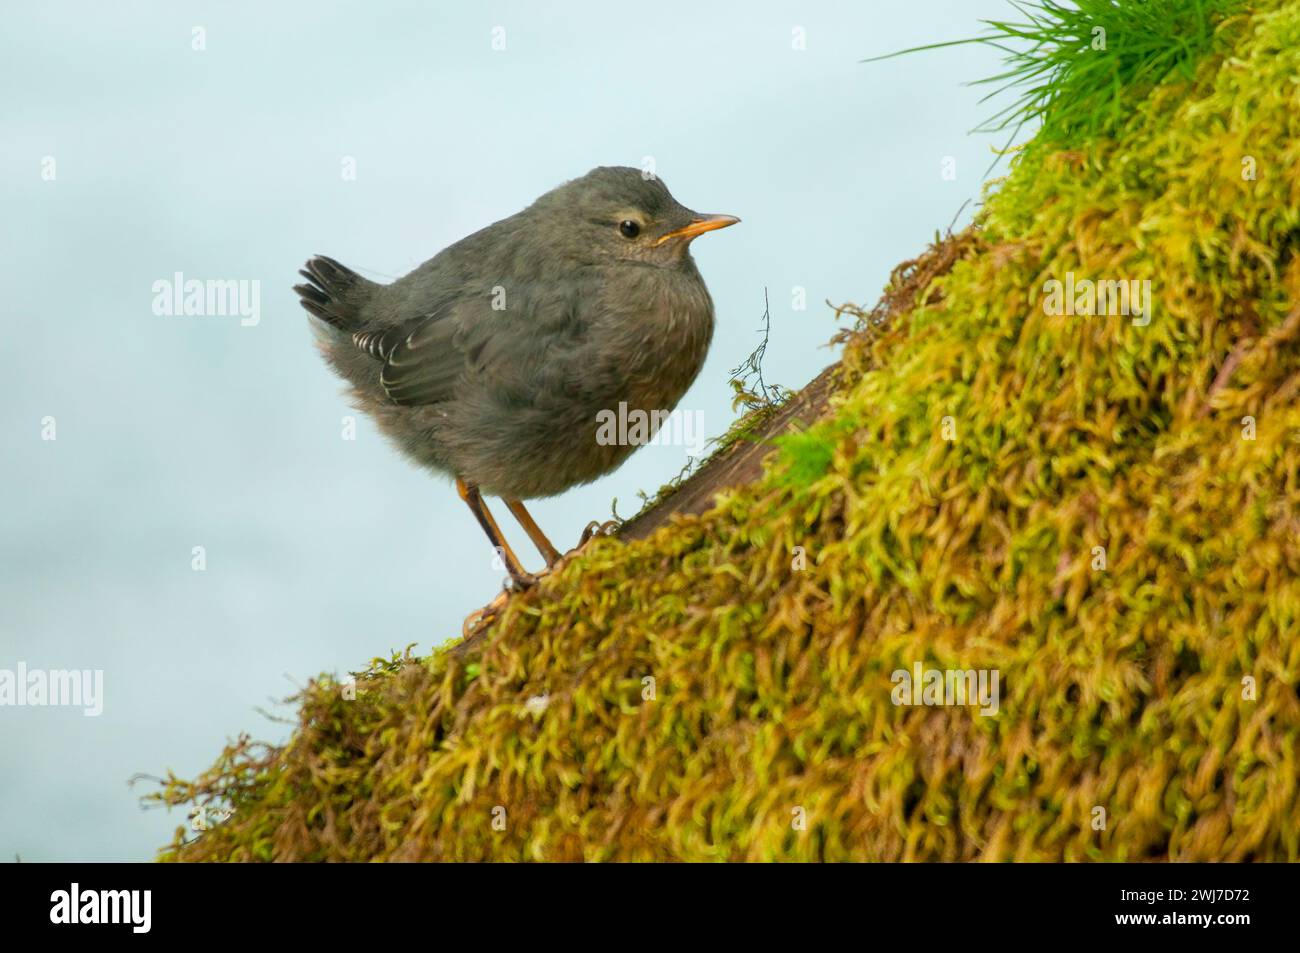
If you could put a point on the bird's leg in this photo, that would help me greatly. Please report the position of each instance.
(549, 552)
(474, 500)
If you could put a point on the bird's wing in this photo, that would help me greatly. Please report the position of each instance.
(421, 361)
(503, 350)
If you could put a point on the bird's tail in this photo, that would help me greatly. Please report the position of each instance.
(334, 293)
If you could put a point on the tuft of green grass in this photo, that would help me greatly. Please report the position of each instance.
(1078, 69)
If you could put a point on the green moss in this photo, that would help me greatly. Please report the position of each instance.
(808, 455)
(722, 690)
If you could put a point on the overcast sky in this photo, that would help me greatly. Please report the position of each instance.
(215, 140)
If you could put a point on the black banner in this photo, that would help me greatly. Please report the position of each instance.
(1170, 903)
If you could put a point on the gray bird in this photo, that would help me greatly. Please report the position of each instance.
(491, 361)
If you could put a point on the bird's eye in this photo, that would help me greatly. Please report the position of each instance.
(629, 229)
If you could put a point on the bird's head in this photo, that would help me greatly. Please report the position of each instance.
(618, 213)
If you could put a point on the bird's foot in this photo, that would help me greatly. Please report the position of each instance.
(480, 620)
(593, 529)
(596, 528)
(523, 581)
(476, 622)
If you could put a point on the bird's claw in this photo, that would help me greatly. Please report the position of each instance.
(521, 583)
(477, 621)
(597, 528)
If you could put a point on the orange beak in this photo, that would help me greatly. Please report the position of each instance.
(699, 225)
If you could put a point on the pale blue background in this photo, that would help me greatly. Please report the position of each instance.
(175, 432)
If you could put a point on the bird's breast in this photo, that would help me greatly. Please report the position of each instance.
(661, 345)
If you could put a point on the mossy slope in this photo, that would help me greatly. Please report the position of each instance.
(1122, 688)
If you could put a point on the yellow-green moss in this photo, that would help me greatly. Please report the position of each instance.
(1122, 688)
